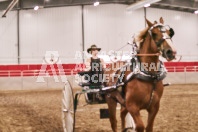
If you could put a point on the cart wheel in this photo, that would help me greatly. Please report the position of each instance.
(68, 113)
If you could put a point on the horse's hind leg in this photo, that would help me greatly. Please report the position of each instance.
(151, 116)
(112, 112)
(123, 115)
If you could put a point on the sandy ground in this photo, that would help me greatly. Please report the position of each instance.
(40, 111)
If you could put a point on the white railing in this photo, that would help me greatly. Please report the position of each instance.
(182, 69)
(22, 73)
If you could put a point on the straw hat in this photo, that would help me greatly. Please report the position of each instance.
(93, 47)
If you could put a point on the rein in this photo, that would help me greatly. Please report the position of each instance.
(155, 54)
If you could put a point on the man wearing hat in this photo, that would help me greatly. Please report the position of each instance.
(95, 65)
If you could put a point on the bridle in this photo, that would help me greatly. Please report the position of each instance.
(160, 41)
(162, 30)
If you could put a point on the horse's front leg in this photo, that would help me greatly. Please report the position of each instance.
(112, 112)
(152, 112)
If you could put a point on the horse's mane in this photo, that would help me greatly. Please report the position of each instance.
(139, 38)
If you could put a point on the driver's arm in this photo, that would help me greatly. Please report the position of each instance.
(87, 64)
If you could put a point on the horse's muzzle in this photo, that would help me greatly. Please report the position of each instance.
(169, 54)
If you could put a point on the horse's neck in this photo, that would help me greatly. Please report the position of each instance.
(149, 47)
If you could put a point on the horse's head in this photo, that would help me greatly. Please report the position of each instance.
(162, 37)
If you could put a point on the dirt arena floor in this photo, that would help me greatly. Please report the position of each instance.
(40, 111)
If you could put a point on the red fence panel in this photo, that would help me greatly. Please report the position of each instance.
(72, 69)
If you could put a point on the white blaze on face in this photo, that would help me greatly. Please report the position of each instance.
(169, 42)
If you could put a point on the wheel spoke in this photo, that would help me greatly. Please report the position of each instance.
(67, 108)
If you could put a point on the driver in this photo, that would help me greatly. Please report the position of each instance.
(95, 65)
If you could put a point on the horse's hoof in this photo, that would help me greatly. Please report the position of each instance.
(129, 130)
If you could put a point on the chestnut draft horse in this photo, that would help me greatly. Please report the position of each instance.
(154, 40)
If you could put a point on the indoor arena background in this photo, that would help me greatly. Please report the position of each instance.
(27, 35)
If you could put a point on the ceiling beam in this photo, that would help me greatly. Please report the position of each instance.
(140, 4)
(10, 6)
(186, 4)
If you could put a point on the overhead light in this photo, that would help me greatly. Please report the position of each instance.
(141, 4)
(96, 3)
(177, 17)
(196, 12)
(147, 5)
(36, 8)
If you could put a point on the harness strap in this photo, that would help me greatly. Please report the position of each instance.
(121, 102)
(120, 78)
(118, 98)
(152, 93)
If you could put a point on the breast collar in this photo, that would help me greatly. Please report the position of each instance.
(147, 76)
(136, 72)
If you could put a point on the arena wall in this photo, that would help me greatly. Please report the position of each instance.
(109, 26)
(8, 39)
(29, 83)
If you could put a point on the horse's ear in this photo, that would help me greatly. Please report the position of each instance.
(149, 23)
(155, 22)
(161, 20)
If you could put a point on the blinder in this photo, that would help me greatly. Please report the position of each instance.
(171, 32)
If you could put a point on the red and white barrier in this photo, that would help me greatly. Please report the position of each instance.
(24, 77)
